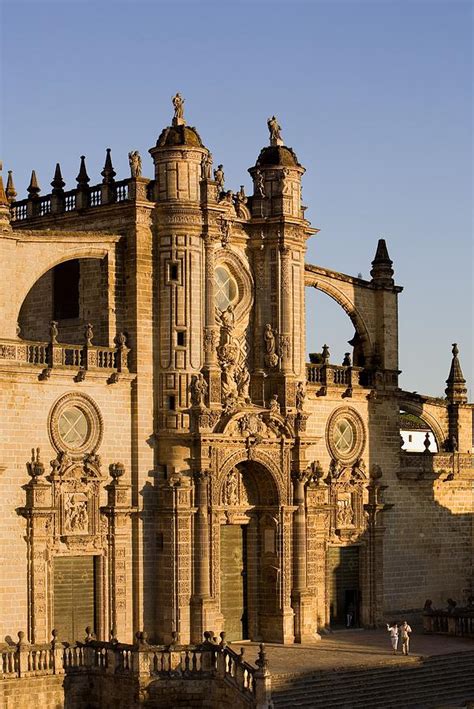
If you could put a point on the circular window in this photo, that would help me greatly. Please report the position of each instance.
(226, 288)
(345, 435)
(75, 425)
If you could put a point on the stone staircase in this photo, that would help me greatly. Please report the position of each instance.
(438, 682)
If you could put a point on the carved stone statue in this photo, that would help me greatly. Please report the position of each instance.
(178, 104)
(271, 357)
(219, 177)
(76, 518)
(269, 337)
(259, 184)
(198, 389)
(206, 167)
(275, 131)
(300, 396)
(274, 405)
(135, 162)
(345, 513)
(228, 317)
(243, 384)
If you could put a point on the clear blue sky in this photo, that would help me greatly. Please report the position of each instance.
(375, 98)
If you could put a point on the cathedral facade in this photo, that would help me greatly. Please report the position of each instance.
(170, 462)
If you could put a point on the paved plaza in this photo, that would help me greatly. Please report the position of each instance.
(351, 649)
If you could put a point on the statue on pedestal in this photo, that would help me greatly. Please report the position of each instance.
(275, 131)
(178, 104)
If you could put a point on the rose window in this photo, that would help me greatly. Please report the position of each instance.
(343, 436)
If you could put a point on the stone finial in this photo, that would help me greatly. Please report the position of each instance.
(382, 271)
(346, 362)
(58, 183)
(261, 661)
(117, 470)
(33, 188)
(4, 208)
(10, 190)
(456, 390)
(83, 178)
(325, 354)
(108, 173)
(275, 131)
(178, 105)
(35, 467)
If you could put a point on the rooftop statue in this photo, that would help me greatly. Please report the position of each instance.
(275, 131)
(178, 103)
(135, 163)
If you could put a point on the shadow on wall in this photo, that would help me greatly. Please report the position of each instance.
(73, 293)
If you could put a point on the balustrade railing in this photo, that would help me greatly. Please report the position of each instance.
(54, 354)
(337, 375)
(37, 206)
(458, 622)
(209, 661)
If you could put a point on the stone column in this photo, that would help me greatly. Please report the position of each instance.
(118, 512)
(211, 331)
(201, 594)
(300, 597)
(258, 374)
(286, 309)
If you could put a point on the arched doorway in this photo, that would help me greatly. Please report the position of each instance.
(250, 559)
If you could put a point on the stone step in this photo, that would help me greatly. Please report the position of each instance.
(437, 683)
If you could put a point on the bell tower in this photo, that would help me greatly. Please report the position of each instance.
(278, 242)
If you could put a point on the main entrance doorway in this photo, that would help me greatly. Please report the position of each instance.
(74, 596)
(343, 586)
(234, 603)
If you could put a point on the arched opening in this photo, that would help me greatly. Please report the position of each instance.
(250, 560)
(328, 324)
(416, 436)
(72, 293)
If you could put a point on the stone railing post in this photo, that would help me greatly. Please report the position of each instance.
(22, 650)
(122, 352)
(452, 625)
(208, 651)
(140, 656)
(263, 681)
(58, 654)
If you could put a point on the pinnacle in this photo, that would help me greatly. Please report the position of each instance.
(382, 271)
(33, 188)
(83, 178)
(108, 173)
(456, 389)
(58, 183)
(10, 189)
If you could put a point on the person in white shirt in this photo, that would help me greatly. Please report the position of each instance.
(405, 631)
(393, 630)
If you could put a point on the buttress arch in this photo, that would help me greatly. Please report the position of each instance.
(326, 285)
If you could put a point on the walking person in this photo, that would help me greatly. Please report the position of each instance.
(393, 630)
(405, 631)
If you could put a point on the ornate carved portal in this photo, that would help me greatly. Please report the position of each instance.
(64, 520)
(247, 497)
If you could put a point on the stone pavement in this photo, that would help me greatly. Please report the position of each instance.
(351, 649)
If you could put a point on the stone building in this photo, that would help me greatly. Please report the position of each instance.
(169, 461)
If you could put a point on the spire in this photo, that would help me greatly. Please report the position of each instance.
(456, 390)
(382, 271)
(83, 178)
(10, 190)
(108, 173)
(33, 188)
(58, 183)
(4, 207)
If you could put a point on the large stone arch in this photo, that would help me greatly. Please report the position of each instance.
(263, 459)
(35, 255)
(327, 285)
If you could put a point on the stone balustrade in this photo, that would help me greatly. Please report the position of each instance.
(50, 355)
(427, 465)
(333, 375)
(442, 622)
(211, 661)
(93, 196)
